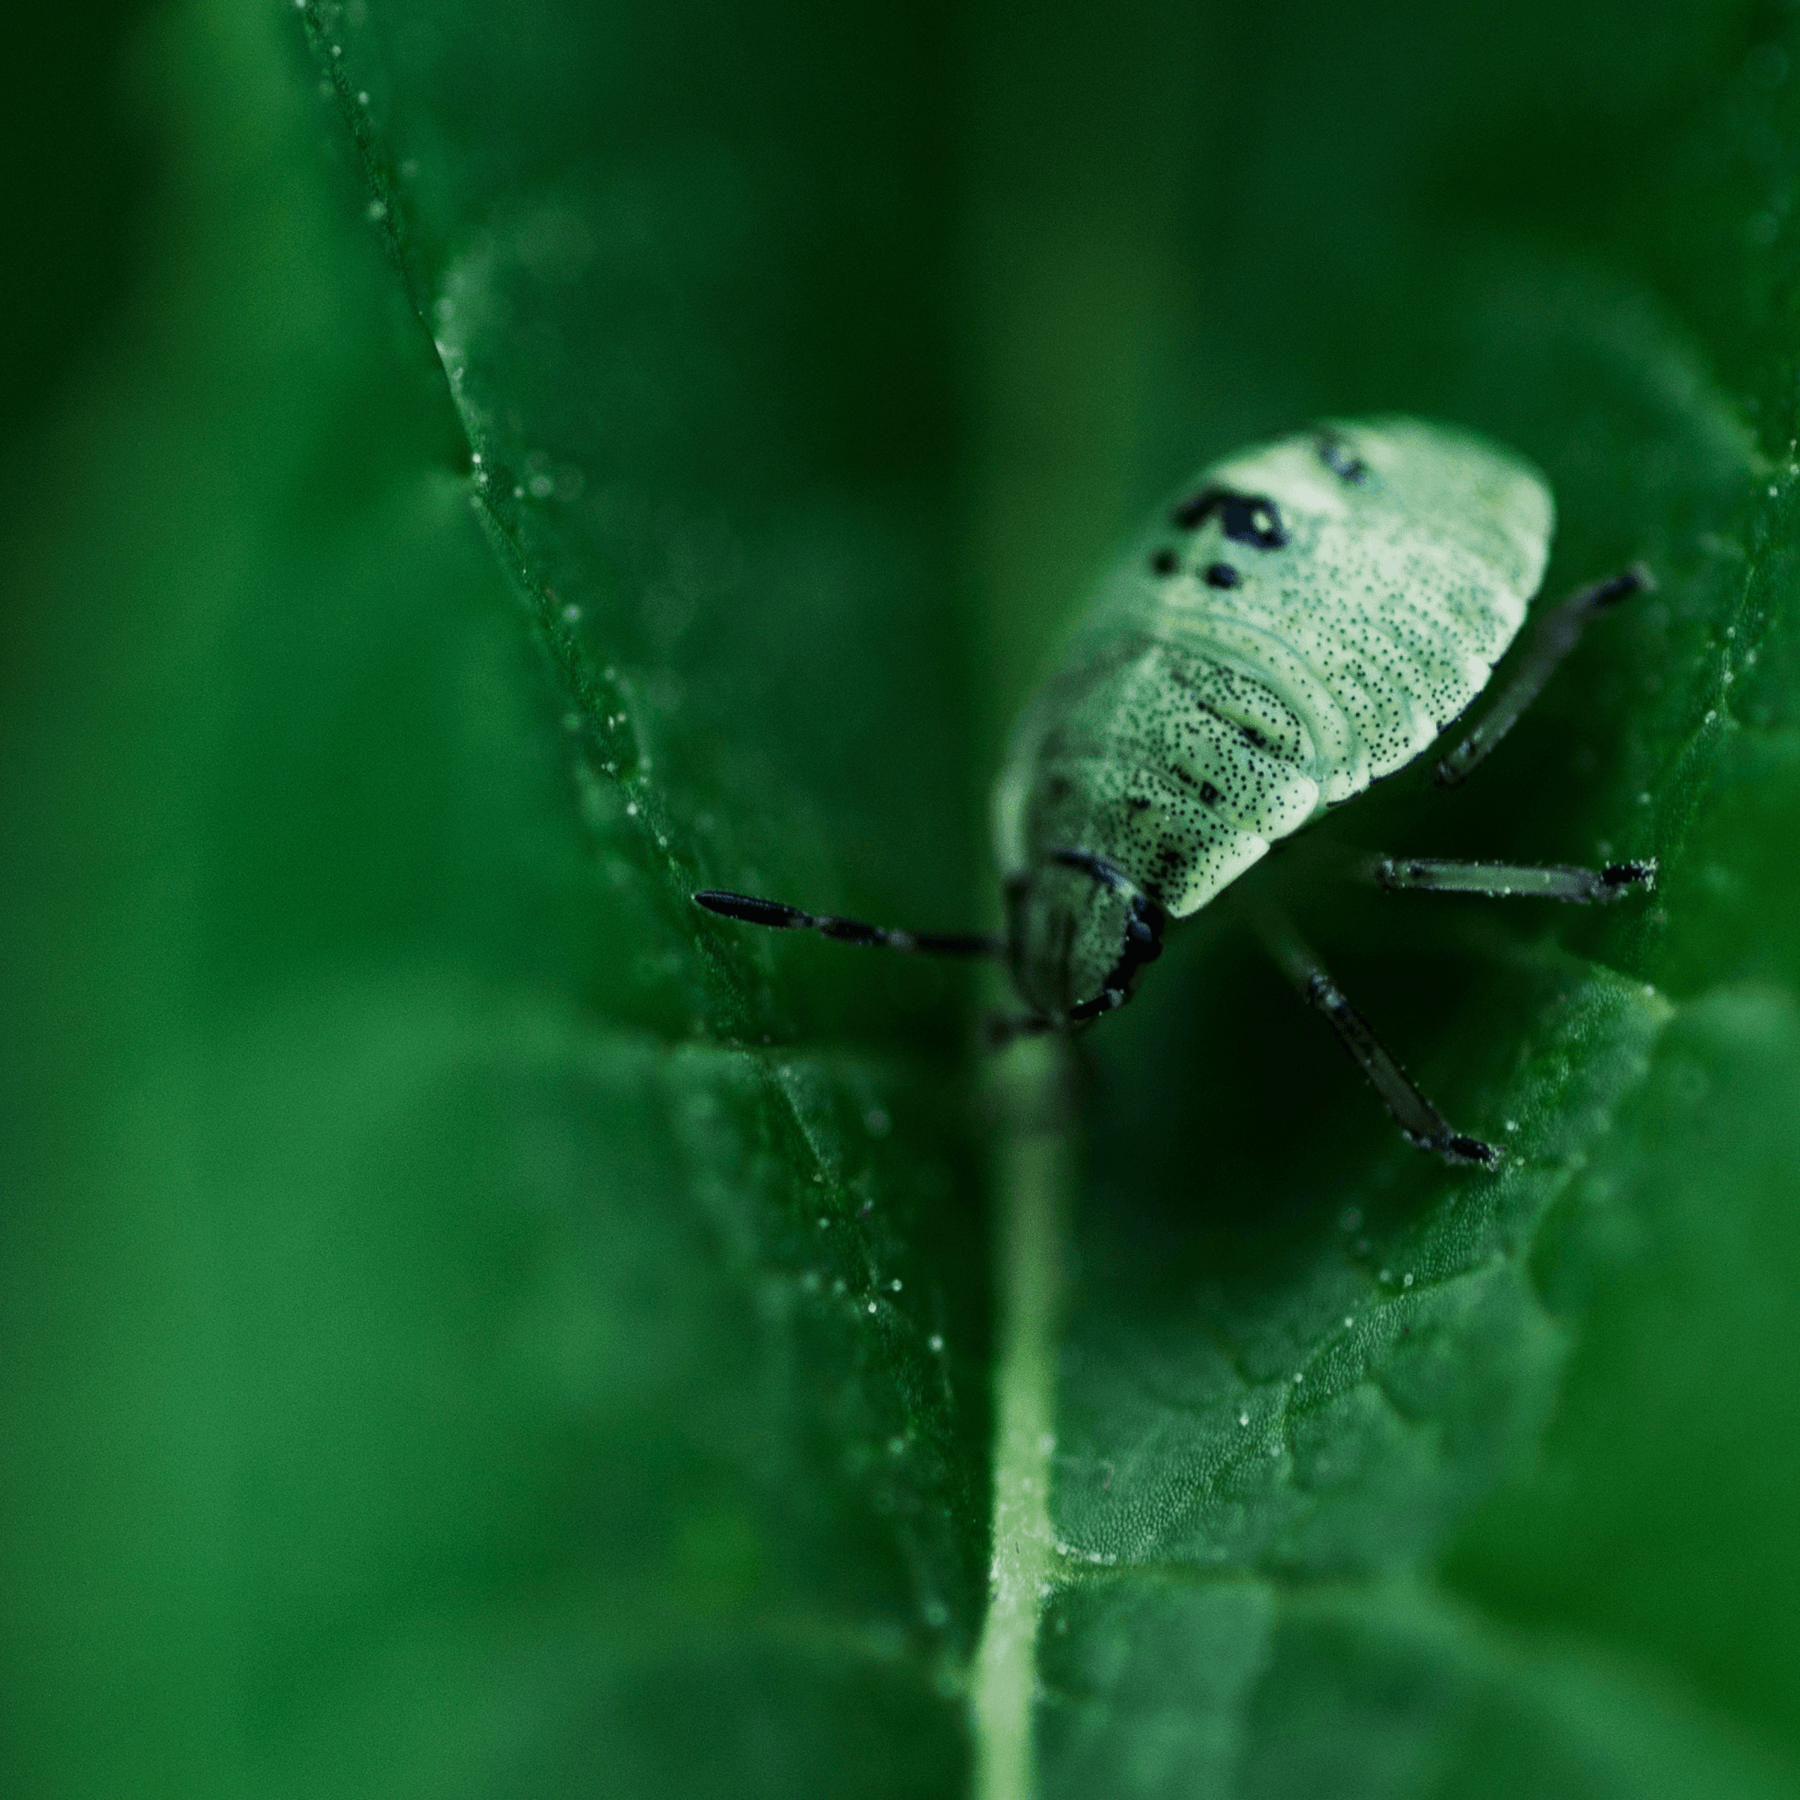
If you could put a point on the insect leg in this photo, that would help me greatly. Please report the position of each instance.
(1551, 881)
(1553, 640)
(1422, 1123)
(779, 916)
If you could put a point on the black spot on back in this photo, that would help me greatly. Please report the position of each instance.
(1165, 562)
(1252, 519)
(1222, 575)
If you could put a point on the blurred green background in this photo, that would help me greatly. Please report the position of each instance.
(469, 1326)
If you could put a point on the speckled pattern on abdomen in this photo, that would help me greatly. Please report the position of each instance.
(1224, 690)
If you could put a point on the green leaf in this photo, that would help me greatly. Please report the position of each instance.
(475, 1324)
(466, 1337)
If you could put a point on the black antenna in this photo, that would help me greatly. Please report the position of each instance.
(779, 916)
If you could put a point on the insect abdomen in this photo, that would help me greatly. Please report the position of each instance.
(1181, 766)
(1376, 675)
(1304, 621)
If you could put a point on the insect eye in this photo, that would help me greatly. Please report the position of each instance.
(1143, 940)
(1222, 575)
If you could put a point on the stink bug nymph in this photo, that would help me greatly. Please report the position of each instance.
(1308, 617)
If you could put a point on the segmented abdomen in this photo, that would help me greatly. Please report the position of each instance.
(1376, 657)
(1176, 766)
(1180, 743)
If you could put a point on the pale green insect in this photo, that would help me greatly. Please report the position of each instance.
(1307, 618)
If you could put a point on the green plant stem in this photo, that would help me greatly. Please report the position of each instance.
(1034, 1167)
